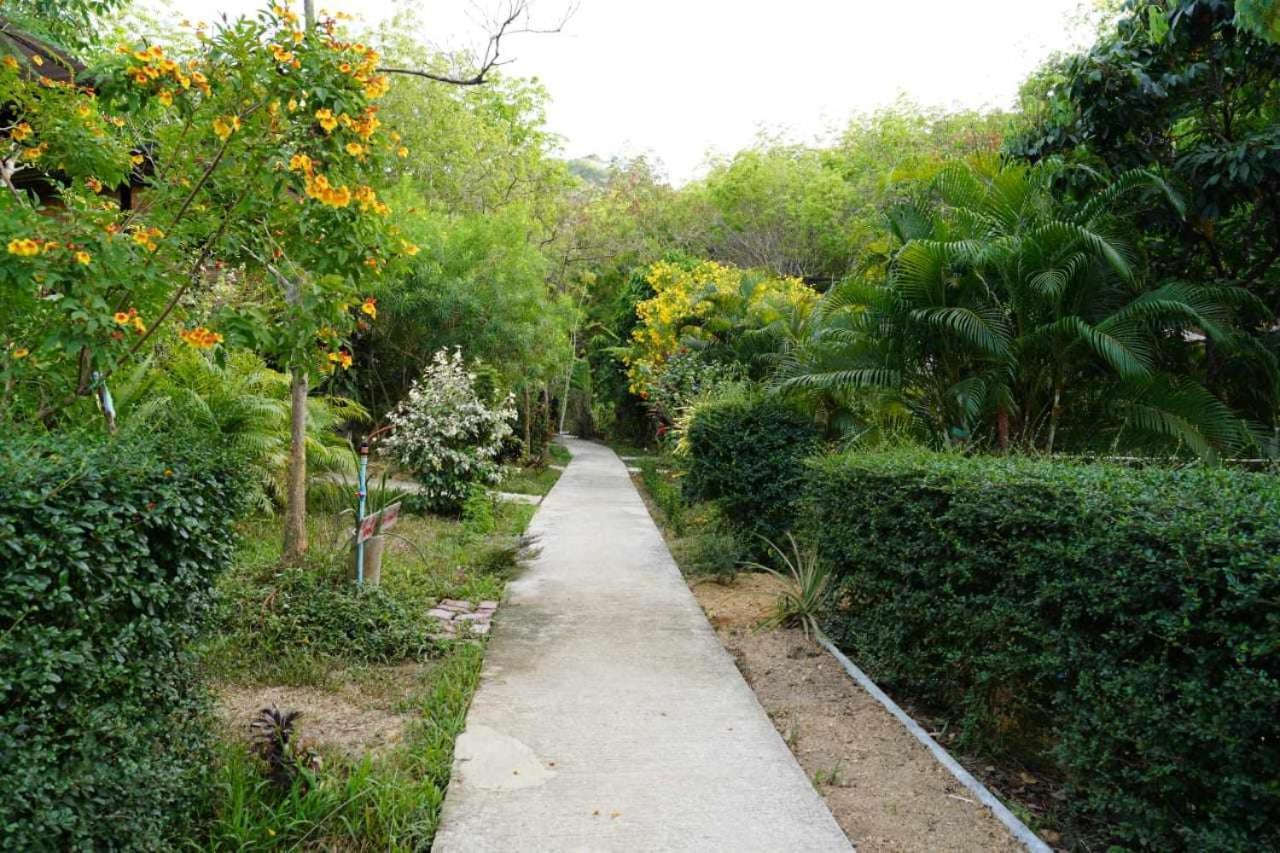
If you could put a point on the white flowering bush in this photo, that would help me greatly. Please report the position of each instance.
(446, 434)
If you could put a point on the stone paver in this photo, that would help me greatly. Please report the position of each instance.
(461, 619)
(609, 717)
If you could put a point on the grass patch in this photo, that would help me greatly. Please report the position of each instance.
(530, 481)
(361, 654)
(701, 543)
(390, 801)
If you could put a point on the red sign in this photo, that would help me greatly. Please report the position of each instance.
(367, 528)
(389, 516)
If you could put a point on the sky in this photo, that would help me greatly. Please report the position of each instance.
(685, 80)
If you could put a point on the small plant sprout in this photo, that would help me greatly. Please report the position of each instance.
(806, 584)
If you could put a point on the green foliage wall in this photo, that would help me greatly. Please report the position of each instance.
(746, 452)
(109, 554)
(1116, 627)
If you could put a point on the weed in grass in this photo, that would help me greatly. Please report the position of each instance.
(479, 511)
(665, 492)
(827, 777)
(715, 554)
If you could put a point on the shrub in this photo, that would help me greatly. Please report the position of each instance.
(319, 609)
(665, 493)
(447, 434)
(109, 553)
(746, 452)
(1118, 624)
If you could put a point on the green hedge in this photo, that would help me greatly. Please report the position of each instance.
(746, 453)
(109, 554)
(1122, 626)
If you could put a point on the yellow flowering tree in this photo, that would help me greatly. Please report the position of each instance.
(124, 190)
(705, 304)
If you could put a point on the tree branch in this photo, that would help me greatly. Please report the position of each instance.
(516, 11)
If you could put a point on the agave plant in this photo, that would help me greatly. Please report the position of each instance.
(1009, 314)
(806, 580)
(273, 738)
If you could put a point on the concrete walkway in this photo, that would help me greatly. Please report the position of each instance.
(609, 716)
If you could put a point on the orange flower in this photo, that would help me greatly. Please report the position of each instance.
(370, 307)
(355, 149)
(402, 151)
(21, 352)
(280, 53)
(409, 248)
(300, 163)
(94, 184)
(165, 97)
(83, 258)
(21, 132)
(200, 337)
(121, 318)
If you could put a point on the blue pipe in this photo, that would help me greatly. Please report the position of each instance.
(361, 493)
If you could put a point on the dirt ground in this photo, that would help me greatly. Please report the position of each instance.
(359, 715)
(885, 789)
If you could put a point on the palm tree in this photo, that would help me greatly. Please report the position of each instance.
(246, 404)
(1007, 311)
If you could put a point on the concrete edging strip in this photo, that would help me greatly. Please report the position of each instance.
(964, 777)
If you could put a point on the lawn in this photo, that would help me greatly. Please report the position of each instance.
(381, 699)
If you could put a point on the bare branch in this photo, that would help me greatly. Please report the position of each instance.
(517, 11)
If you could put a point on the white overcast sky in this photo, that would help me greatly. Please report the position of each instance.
(681, 79)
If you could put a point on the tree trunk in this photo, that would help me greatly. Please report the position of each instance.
(1002, 429)
(1053, 415)
(528, 422)
(546, 430)
(295, 507)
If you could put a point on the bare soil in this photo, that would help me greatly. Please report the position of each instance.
(885, 789)
(361, 714)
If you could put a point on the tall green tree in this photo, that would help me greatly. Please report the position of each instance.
(1013, 318)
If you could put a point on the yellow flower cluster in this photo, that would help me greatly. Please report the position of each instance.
(683, 296)
(24, 248)
(155, 69)
(341, 358)
(368, 200)
(129, 318)
(200, 337)
(21, 132)
(147, 237)
(224, 126)
(318, 188)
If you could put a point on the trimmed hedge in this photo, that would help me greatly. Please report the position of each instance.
(1121, 625)
(109, 556)
(746, 453)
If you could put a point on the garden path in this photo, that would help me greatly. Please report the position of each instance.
(609, 716)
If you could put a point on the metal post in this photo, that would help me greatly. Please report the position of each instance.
(361, 494)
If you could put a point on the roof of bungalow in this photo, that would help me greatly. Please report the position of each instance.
(58, 66)
(54, 63)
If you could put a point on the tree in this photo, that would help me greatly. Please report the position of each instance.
(1180, 87)
(1009, 314)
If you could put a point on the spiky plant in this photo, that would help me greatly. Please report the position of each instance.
(273, 737)
(806, 580)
